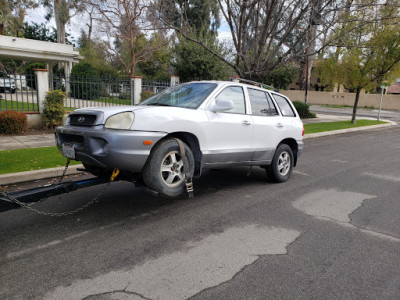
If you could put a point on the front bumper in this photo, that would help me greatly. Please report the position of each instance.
(108, 148)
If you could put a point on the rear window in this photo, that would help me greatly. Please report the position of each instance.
(284, 106)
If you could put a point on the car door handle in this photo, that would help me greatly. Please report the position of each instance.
(245, 123)
(279, 125)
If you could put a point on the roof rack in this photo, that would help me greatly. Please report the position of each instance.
(261, 85)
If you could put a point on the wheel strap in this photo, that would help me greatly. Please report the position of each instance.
(188, 177)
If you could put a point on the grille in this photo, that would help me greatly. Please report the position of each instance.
(82, 120)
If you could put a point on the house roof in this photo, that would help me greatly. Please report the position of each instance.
(394, 88)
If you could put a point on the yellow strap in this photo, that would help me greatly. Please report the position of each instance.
(114, 174)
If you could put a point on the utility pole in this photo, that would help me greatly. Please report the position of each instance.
(380, 102)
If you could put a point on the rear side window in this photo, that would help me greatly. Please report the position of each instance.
(261, 104)
(284, 106)
(235, 94)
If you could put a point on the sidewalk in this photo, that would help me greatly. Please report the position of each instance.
(26, 141)
(47, 140)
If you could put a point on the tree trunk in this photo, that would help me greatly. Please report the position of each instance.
(61, 14)
(353, 117)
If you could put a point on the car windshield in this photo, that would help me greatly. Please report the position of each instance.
(188, 95)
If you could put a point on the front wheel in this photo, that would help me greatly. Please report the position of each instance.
(164, 171)
(282, 164)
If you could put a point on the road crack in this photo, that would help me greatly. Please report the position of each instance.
(95, 296)
(362, 229)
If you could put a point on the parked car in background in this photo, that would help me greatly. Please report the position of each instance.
(7, 84)
(221, 123)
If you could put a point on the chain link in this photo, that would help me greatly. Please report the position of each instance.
(65, 170)
(63, 214)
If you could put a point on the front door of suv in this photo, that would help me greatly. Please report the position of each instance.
(267, 125)
(229, 133)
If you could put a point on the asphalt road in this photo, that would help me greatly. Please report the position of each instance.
(331, 232)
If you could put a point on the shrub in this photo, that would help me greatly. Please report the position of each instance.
(53, 110)
(12, 122)
(303, 110)
(85, 82)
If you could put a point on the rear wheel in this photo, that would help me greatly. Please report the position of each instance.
(282, 164)
(164, 171)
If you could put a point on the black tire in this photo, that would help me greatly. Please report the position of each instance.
(282, 164)
(164, 171)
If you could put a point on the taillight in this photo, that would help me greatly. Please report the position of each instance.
(302, 134)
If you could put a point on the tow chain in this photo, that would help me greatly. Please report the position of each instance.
(63, 214)
(65, 170)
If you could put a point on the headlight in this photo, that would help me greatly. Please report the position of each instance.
(120, 121)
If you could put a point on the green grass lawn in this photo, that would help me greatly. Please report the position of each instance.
(14, 105)
(328, 126)
(12, 161)
(344, 106)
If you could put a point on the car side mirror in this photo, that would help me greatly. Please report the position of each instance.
(221, 105)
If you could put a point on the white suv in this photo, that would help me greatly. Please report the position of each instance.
(177, 133)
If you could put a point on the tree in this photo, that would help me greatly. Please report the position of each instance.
(266, 34)
(85, 81)
(280, 77)
(157, 66)
(128, 24)
(62, 11)
(39, 32)
(369, 49)
(95, 53)
(12, 14)
(192, 15)
(193, 62)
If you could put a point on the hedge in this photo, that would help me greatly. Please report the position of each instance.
(303, 110)
(12, 122)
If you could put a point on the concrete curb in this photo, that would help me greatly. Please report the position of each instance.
(340, 131)
(13, 178)
(19, 177)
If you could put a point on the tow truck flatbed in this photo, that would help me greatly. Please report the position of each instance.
(36, 194)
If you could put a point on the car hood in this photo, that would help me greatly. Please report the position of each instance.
(107, 111)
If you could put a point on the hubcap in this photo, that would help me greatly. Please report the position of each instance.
(284, 163)
(172, 172)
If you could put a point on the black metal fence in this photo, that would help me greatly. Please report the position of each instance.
(150, 88)
(86, 91)
(18, 92)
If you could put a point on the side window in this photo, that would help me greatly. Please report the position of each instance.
(235, 94)
(260, 104)
(285, 107)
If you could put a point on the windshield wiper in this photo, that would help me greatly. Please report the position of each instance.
(158, 104)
